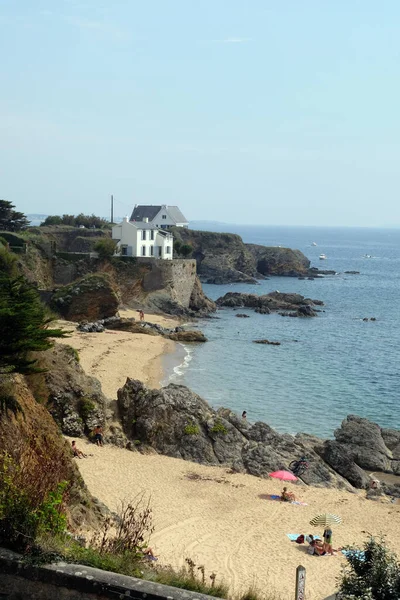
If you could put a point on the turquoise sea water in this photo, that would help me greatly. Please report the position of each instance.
(326, 367)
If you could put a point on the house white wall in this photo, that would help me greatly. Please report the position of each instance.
(163, 219)
(140, 239)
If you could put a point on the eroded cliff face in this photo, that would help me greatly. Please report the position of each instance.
(225, 258)
(31, 437)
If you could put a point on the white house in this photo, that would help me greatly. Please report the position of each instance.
(142, 239)
(162, 216)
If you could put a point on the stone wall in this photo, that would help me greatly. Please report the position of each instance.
(77, 582)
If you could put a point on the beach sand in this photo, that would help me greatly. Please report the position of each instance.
(112, 356)
(226, 525)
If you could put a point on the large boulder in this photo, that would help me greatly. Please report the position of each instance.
(364, 443)
(91, 298)
(199, 302)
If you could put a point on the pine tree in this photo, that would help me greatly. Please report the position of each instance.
(10, 219)
(24, 325)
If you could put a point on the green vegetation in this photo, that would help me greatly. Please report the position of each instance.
(373, 574)
(24, 325)
(88, 221)
(10, 219)
(105, 248)
(191, 429)
(218, 427)
(181, 249)
(28, 507)
(85, 408)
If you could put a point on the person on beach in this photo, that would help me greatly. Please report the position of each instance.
(328, 541)
(244, 415)
(287, 496)
(76, 452)
(316, 549)
(98, 435)
(141, 315)
(147, 551)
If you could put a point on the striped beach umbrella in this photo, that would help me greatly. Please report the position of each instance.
(325, 520)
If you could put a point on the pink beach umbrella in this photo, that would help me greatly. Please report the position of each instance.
(283, 475)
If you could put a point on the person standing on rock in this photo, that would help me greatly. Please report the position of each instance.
(244, 415)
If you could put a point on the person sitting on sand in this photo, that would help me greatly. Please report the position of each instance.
(147, 551)
(316, 548)
(98, 435)
(287, 496)
(76, 452)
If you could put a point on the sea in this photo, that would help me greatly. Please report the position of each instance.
(326, 367)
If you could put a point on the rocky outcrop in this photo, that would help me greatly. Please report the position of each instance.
(199, 303)
(279, 261)
(176, 422)
(220, 257)
(266, 342)
(92, 297)
(286, 304)
(360, 444)
(187, 336)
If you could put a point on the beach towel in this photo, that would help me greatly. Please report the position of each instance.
(359, 553)
(299, 503)
(277, 497)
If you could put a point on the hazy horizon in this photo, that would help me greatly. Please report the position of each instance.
(258, 112)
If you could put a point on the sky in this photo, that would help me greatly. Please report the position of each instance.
(242, 111)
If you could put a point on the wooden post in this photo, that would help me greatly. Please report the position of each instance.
(300, 583)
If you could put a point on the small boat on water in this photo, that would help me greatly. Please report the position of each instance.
(322, 257)
(313, 244)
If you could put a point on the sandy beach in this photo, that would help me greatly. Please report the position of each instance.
(225, 522)
(112, 356)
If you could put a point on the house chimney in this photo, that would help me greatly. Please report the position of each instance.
(126, 219)
(145, 220)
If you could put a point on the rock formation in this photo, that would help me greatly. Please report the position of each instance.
(286, 304)
(92, 297)
(279, 261)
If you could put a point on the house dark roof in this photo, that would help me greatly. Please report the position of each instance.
(144, 211)
(176, 214)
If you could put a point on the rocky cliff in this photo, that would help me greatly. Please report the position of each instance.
(224, 258)
(176, 422)
(31, 437)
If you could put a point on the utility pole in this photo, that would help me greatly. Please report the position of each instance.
(112, 208)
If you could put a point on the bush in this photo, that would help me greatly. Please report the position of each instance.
(191, 429)
(218, 427)
(28, 505)
(186, 250)
(105, 248)
(372, 574)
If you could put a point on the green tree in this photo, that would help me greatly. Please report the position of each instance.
(105, 248)
(24, 323)
(177, 246)
(372, 574)
(52, 220)
(10, 219)
(186, 250)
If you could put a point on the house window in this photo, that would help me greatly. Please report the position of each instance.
(151, 250)
(160, 251)
(152, 234)
(124, 250)
(143, 234)
(168, 250)
(164, 216)
(143, 250)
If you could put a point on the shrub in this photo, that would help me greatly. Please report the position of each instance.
(191, 577)
(191, 429)
(218, 427)
(28, 505)
(185, 250)
(85, 408)
(372, 574)
(105, 248)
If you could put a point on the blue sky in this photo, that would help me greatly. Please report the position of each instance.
(252, 111)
